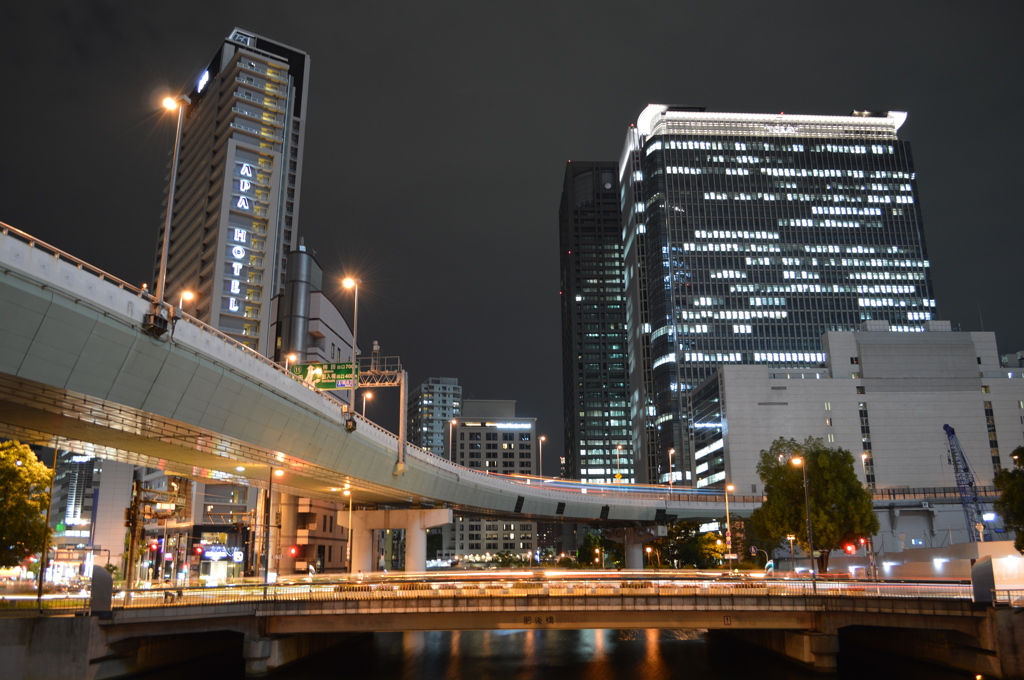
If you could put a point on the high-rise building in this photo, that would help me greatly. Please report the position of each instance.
(236, 202)
(595, 380)
(432, 408)
(748, 236)
(490, 437)
(87, 512)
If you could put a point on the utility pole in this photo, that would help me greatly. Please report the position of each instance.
(133, 522)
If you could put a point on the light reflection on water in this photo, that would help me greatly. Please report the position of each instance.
(573, 655)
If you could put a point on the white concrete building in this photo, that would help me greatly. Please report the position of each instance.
(885, 397)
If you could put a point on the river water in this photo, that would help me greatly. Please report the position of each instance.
(577, 655)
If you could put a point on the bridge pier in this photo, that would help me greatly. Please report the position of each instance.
(633, 539)
(814, 649)
(415, 523)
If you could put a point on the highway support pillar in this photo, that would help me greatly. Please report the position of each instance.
(415, 522)
(633, 539)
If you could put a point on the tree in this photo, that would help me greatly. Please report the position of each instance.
(24, 497)
(685, 546)
(1010, 504)
(841, 509)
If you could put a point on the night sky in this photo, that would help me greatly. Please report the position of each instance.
(437, 136)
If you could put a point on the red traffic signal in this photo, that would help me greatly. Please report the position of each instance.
(862, 540)
(153, 546)
(849, 548)
(198, 550)
(293, 551)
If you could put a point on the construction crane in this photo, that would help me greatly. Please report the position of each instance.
(974, 510)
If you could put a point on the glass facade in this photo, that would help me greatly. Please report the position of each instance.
(747, 237)
(594, 358)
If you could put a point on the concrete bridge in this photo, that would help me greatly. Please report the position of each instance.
(271, 626)
(77, 370)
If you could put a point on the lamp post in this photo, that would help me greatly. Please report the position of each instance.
(366, 395)
(797, 460)
(648, 549)
(170, 103)
(353, 284)
(728, 525)
(792, 555)
(451, 439)
(348, 546)
(540, 460)
(670, 453)
(266, 533)
(618, 455)
(186, 296)
(290, 359)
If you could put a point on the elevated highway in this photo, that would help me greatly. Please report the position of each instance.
(77, 370)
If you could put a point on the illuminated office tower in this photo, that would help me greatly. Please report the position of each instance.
(236, 202)
(748, 236)
(595, 381)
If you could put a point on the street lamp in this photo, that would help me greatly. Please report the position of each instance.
(348, 546)
(618, 454)
(792, 555)
(186, 296)
(266, 526)
(290, 359)
(366, 395)
(728, 525)
(797, 460)
(170, 103)
(451, 439)
(648, 549)
(540, 460)
(349, 282)
(670, 453)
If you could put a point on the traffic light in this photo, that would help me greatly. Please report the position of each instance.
(153, 545)
(198, 550)
(863, 541)
(293, 551)
(849, 548)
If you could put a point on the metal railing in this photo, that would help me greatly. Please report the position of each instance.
(353, 590)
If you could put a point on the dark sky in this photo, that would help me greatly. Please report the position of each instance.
(437, 135)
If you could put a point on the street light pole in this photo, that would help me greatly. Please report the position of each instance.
(270, 518)
(349, 282)
(807, 505)
(348, 547)
(792, 555)
(728, 525)
(366, 395)
(170, 103)
(618, 455)
(540, 462)
(670, 452)
(451, 439)
(186, 296)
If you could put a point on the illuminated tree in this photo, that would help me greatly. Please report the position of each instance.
(24, 496)
(841, 509)
(1010, 504)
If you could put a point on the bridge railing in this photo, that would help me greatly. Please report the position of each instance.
(33, 242)
(334, 591)
(1009, 597)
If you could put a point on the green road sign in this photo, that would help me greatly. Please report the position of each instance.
(326, 376)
